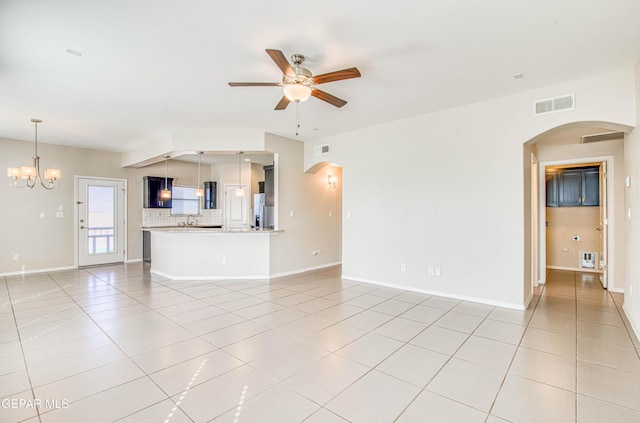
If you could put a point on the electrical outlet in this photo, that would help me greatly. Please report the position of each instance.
(16, 257)
(315, 252)
(436, 271)
(224, 260)
(330, 214)
(42, 215)
(431, 271)
(403, 267)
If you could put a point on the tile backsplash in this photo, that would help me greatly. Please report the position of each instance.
(163, 217)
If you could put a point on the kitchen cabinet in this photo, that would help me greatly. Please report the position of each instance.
(210, 195)
(152, 185)
(591, 187)
(552, 189)
(573, 187)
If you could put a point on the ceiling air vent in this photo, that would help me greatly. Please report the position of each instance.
(555, 104)
(607, 136)
(320, 150)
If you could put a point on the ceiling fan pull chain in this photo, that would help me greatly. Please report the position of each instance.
(297, 117)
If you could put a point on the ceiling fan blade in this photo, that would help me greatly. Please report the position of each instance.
(328, 98)
(278, 57)
(337, 75)
(254, 84)
(284, 102)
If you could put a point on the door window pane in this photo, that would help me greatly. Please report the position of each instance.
(100, 219)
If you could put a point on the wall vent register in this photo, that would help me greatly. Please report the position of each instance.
(320, 150)
(555, 104)
(607, 136)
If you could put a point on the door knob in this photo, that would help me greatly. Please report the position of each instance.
(83, 227)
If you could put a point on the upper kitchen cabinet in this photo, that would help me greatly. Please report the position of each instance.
(591, 187)
(152, 185)
(573, 187)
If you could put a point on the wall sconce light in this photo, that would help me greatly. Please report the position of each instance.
(332, 181)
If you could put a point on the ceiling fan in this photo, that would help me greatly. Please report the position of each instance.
(299, 83)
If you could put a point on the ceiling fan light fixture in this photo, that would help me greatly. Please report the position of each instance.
(297, 92)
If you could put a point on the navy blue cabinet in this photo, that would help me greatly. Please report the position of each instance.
(152, 185)
(573, 187)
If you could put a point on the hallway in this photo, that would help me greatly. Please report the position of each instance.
(578, 340)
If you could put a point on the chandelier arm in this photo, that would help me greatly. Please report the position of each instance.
(51, 185)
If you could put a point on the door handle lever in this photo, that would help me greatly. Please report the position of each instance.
(83, 227)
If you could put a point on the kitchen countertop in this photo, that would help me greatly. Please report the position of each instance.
(205, 229)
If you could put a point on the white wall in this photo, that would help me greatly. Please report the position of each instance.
(446, 190)
(310, 199)
(632, 226)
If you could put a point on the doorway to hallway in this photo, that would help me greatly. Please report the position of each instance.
(575, 217)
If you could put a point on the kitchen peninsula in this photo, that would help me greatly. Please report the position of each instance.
(186, 253)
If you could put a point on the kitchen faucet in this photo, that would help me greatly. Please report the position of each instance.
(195, 220)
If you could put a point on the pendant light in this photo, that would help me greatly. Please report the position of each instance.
(199, 192)
(165, 194)
(240, 190)
(29, 176)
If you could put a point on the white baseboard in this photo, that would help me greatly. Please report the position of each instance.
(514, 306)
(207, 278)
(34, 271)
(617, 290)
(574, 269)
(634, 325)
(306, 269)
(134, 261)
(238, 277)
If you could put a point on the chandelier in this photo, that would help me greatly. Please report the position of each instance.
(29, 176)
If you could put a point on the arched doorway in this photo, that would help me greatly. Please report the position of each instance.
(564, 146)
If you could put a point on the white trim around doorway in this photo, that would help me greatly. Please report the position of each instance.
(542, 256)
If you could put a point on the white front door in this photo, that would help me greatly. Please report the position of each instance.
(236, 208)
(100, 220)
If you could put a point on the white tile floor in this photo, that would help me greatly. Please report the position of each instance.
(113, 343)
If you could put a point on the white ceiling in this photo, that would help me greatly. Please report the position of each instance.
(153, 66)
